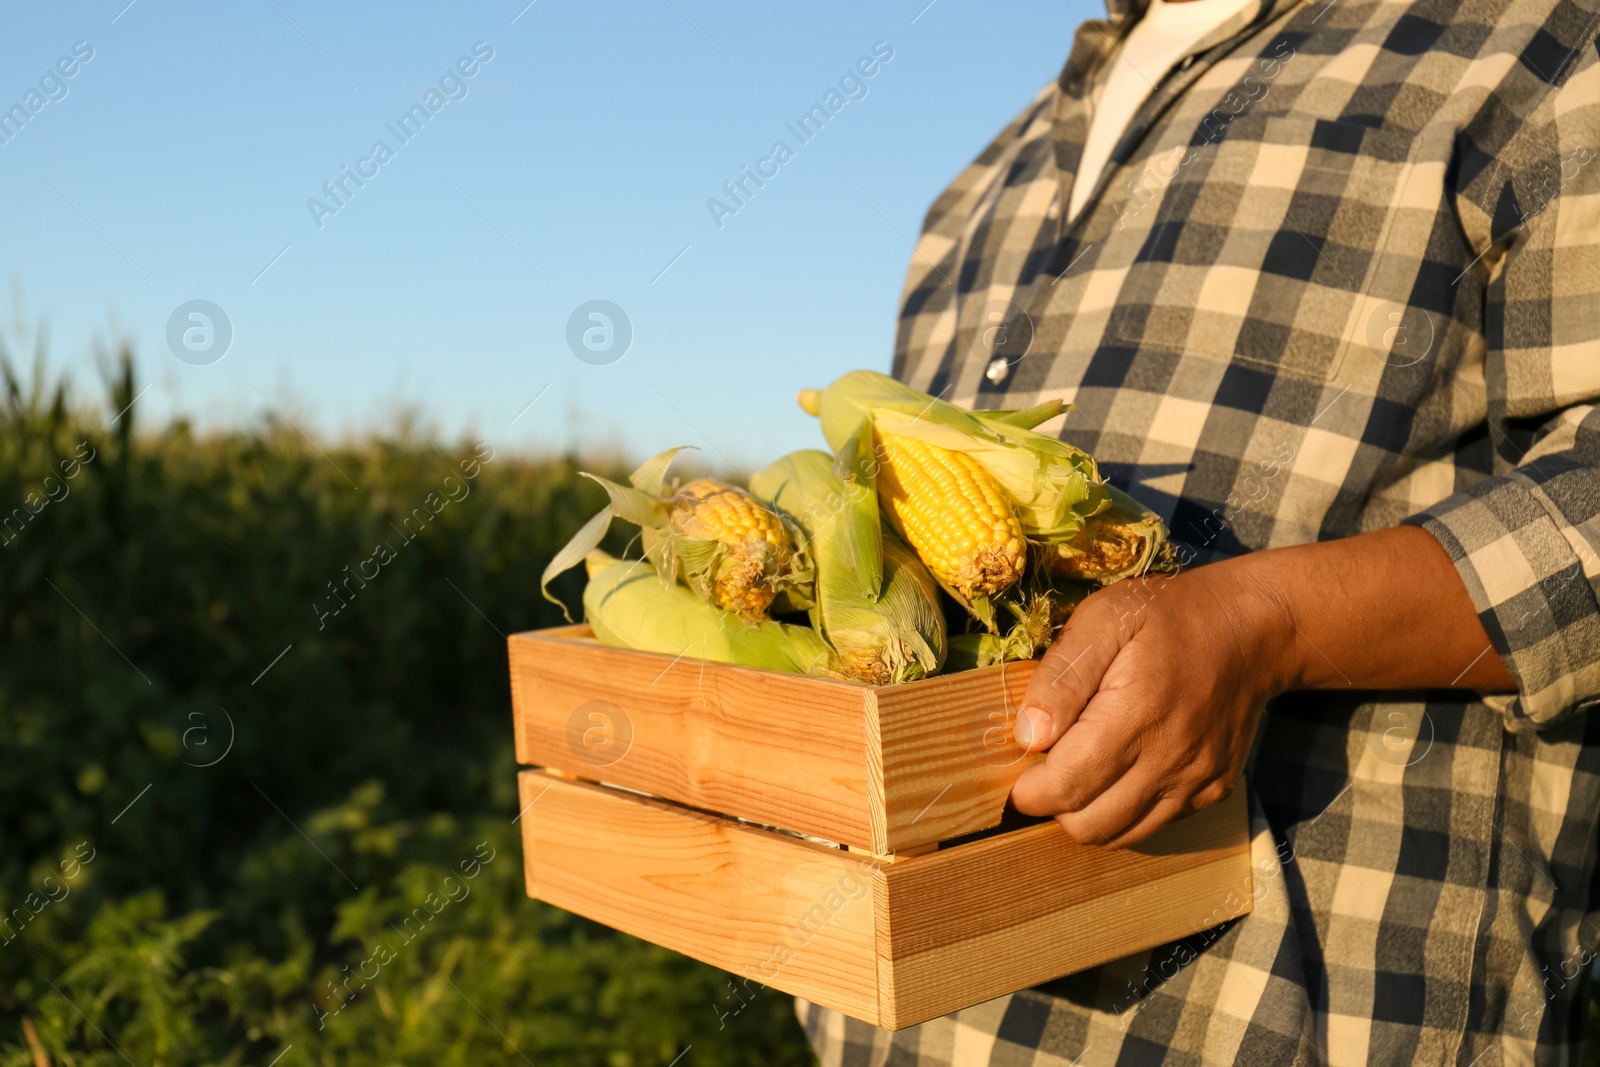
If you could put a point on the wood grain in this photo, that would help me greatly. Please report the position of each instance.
(893, 943)
(886, 768)
(993, 916)
(775, 748)
(780, 911)
(944, 756)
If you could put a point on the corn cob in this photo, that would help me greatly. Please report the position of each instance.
(721, 542)
(1018, 566)
(627, 604)
(876, 604)
(900, 636)
(758, 546)
(1052, 486)
(1124, 541)
(953, 512)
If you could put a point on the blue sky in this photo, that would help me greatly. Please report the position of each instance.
(575, 164)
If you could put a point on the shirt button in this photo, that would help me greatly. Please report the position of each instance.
(998, 371)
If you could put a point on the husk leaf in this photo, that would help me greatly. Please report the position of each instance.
(1055, 486)
(585, 541)
(1125, 541)
(876, 603)
(676, 556)
(628, 605)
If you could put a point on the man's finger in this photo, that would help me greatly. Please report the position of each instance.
(1085, 763)
(1067, 678)
(1164, 811)
(1117, 809)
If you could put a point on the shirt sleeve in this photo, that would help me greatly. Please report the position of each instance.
(1526, 541)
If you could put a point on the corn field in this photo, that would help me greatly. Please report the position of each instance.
(258, 783)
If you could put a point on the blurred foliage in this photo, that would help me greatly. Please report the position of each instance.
(178, 901)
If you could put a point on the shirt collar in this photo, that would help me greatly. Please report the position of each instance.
(1093, 45)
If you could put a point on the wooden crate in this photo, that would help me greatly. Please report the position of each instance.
(882, 768)
(651, 769)
(891, 941)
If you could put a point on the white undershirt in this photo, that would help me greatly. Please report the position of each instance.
(1161, 39)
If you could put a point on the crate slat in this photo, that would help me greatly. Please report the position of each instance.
(706, 887)
(882, 768)
(893, 943)
(1008, 912)
(775, 748)
(944, 761)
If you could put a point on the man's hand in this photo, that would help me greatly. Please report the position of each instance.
(1148, 702)
(1149, 699)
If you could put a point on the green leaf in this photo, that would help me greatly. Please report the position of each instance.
(697, 556)
(633, 505)
(653, 471)
(1026, 418)
(588, 538)
(805, 487)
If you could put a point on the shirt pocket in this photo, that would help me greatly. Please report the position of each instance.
(1260, 240)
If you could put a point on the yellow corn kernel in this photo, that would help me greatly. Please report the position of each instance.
(953, 512)
(758, 546)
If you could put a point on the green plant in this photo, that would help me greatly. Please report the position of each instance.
(269, 786)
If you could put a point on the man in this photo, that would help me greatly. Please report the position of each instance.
(1323, 281)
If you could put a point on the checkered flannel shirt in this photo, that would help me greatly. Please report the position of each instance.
(1342, 272)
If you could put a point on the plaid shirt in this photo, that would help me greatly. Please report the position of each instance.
(1342, 272)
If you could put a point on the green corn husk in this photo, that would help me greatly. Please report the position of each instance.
(627, 604)
(876, 604)
(697, 562)
(968, 652)
(1056, 488)
(1089, 529)
(1124, 541)
(1035, 619)
(1082, 532)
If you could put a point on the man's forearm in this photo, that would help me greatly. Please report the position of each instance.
(1384, 610)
